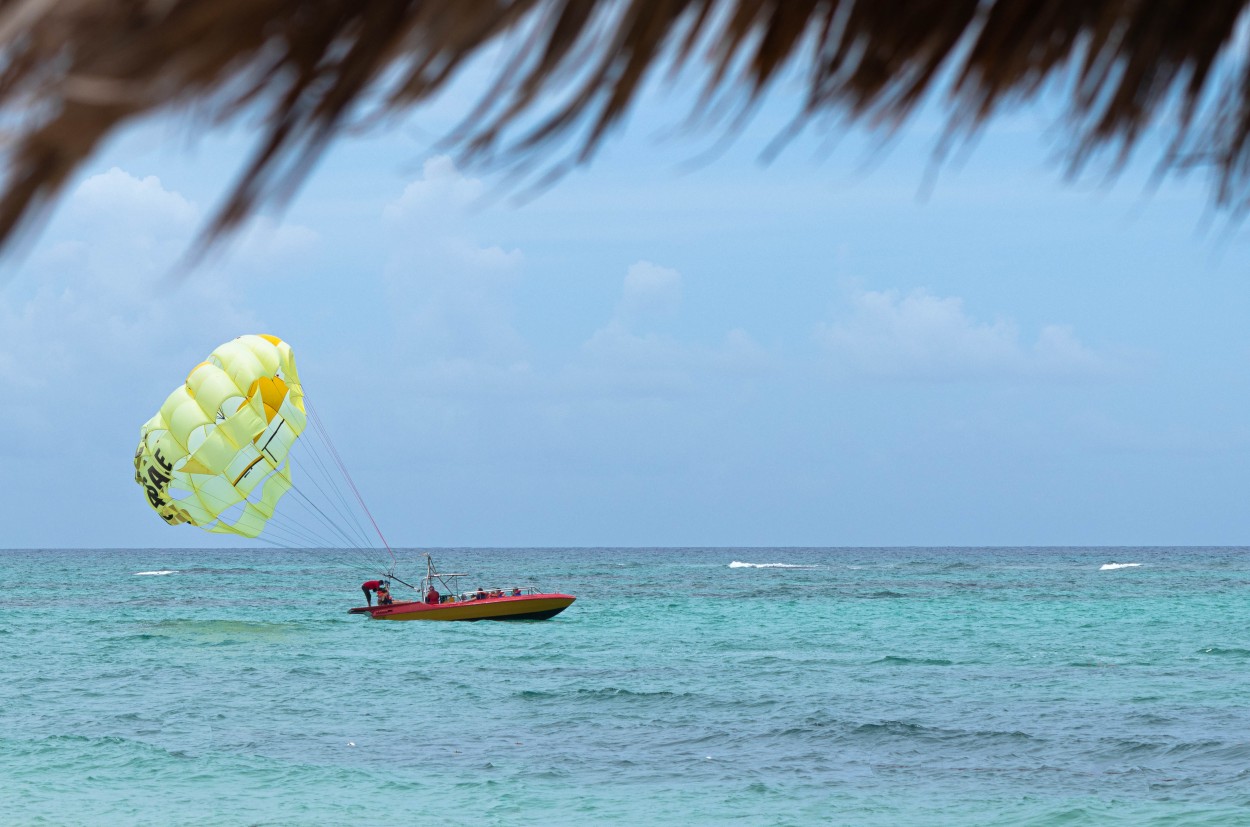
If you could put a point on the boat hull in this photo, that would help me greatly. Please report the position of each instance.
(526, 607)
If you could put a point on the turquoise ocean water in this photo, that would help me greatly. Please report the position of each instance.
(812, 686)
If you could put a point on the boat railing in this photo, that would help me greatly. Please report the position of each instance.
(467, 597)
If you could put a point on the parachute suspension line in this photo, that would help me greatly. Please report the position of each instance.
(329, 485)
(293, 530)
(353, 550)
(368, 568)
(317, 456)
(297, 538)
(292, 535)
(315, 511)
(335, 454)
(286, 532)
(302, 533)
(346, 512)
(316, 450)
(329, 533)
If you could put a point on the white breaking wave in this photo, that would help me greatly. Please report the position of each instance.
(739, 565)
(1114, 566)
(162, 571)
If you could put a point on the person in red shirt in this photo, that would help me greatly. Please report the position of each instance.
(432, 595)
(367, 587)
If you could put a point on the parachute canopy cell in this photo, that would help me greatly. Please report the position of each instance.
(216, 453)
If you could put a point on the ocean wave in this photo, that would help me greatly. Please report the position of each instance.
(206, 570)
(736, 564)
(1233, 651)
(599, 694)
(899, 660)
(1114, 566)
(153, 573)
(893, 730)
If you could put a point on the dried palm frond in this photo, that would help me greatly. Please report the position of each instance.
(72, 71)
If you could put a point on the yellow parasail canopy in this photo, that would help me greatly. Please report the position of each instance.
(215, 454)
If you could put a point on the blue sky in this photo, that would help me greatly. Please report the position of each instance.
(659, 352)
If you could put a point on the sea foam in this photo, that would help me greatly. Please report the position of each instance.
(1114, 566)
(740, 565)
(162, 571)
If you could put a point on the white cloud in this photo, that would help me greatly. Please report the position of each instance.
(452, 298)
(739, 352)
(650, 288)
(266, 242)
(624, 357)
(104, 276)
(441, 190)
(619, 359)
(450, 295)
(96, 312)
(888, 334)
(125, 202)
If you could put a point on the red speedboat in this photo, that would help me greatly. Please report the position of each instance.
(516, 603)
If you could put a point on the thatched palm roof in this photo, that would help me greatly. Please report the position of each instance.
(75, 70)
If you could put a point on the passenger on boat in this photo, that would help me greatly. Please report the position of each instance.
(384, 594)
(432, 595)
(479, 594)
(367, 587)
(516, 592)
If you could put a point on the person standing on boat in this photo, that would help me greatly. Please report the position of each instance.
(432, 595)
(370, 586)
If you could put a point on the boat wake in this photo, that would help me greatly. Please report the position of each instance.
(740, 565)
(1114, 566)
(154, 573)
